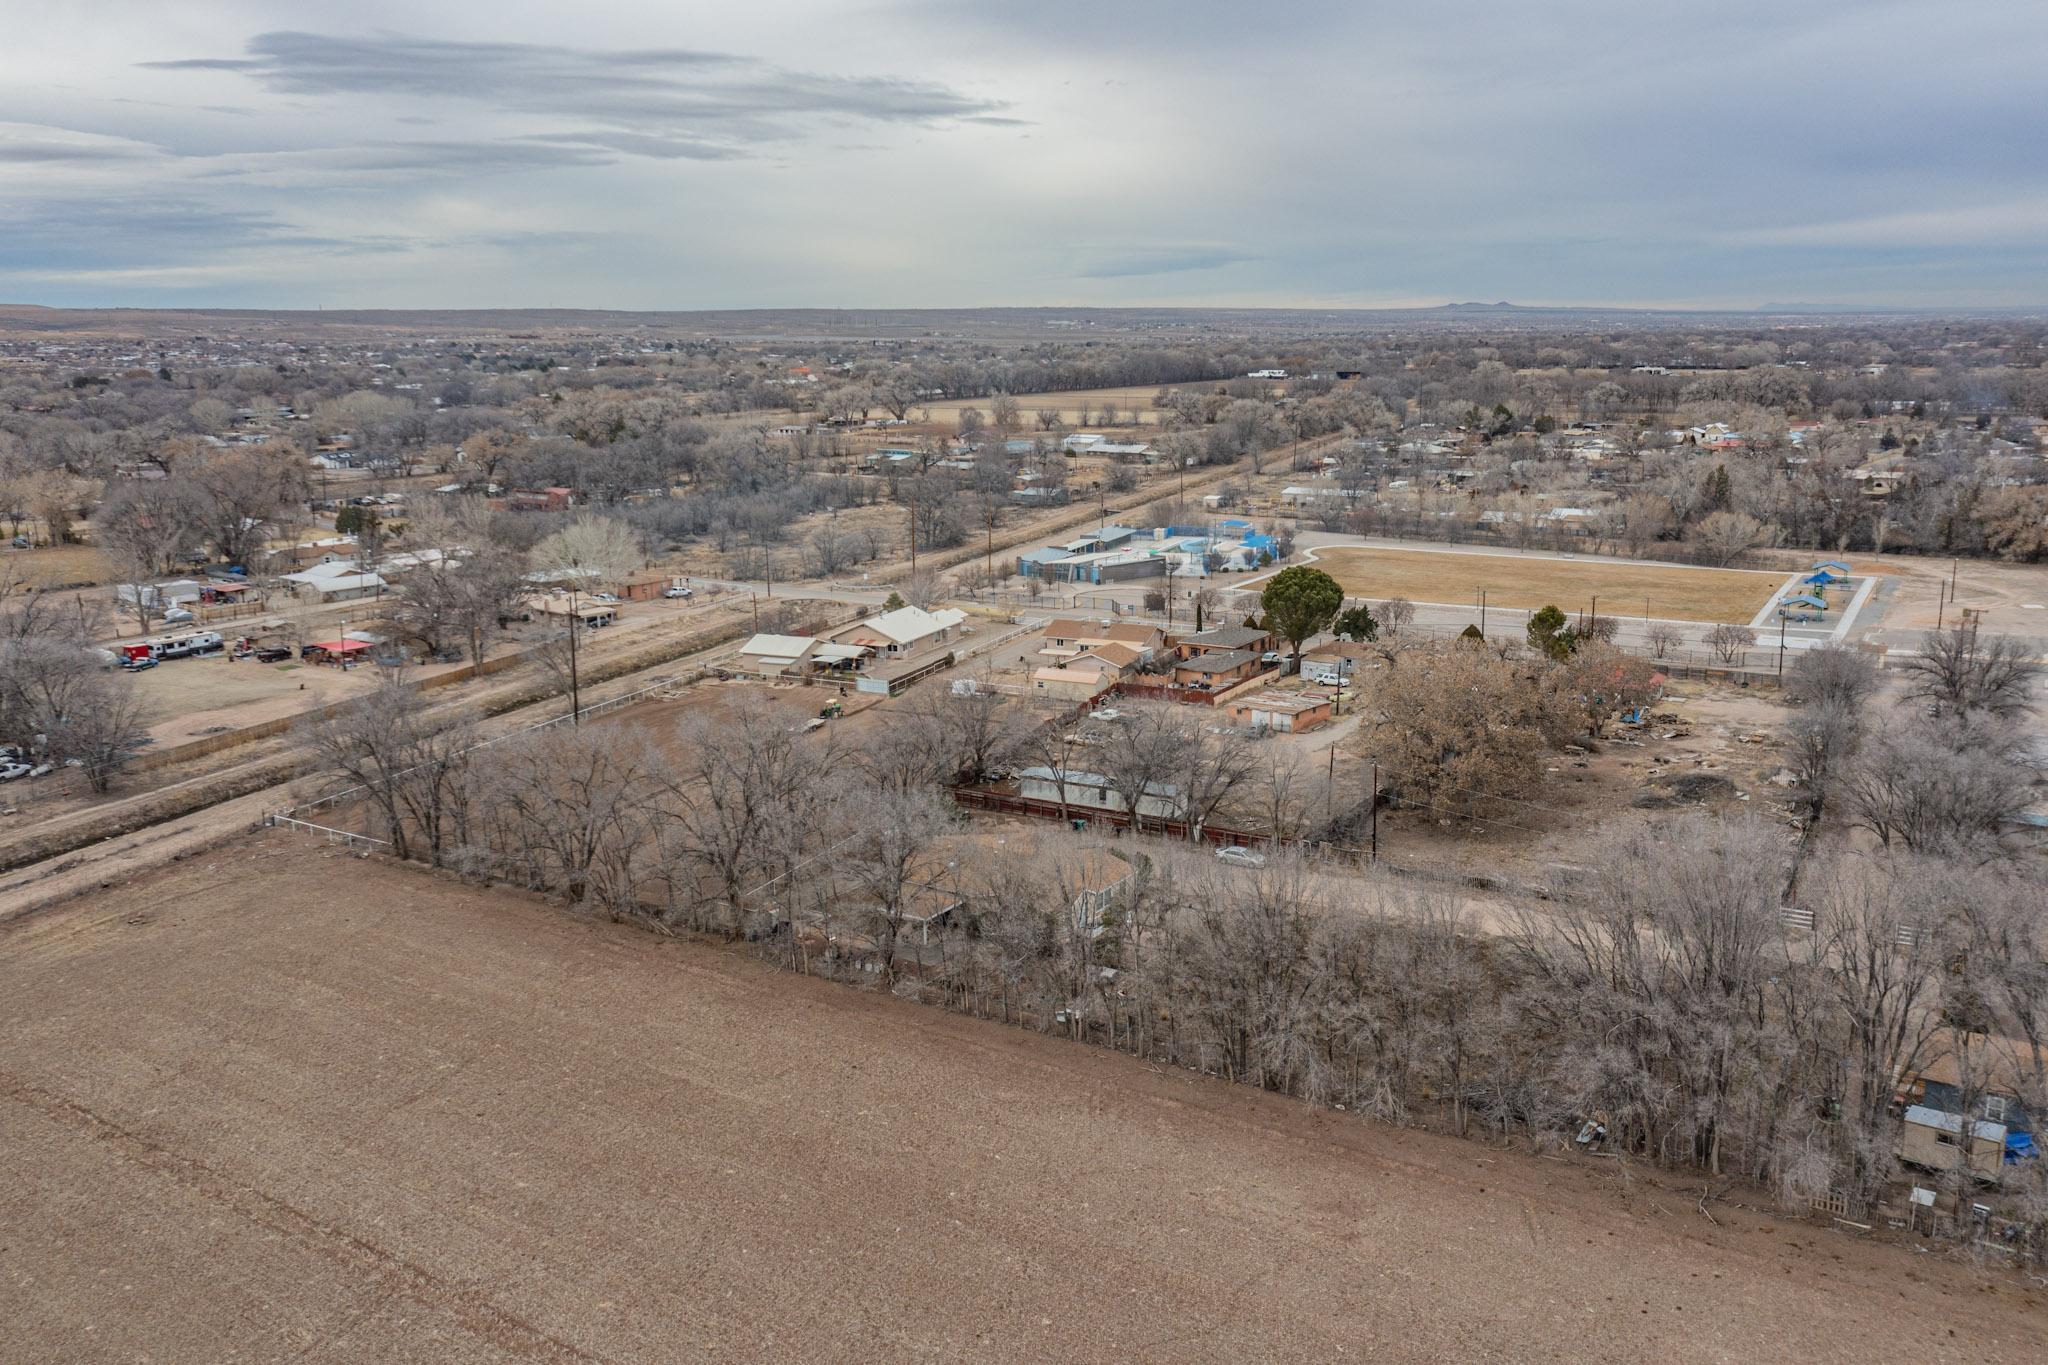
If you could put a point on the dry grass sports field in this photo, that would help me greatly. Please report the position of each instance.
(1660, 591)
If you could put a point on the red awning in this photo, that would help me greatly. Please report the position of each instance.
(340, 646)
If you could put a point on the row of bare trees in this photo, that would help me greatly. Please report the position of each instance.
(60, 701)
(1943, 767)
(1660, 998)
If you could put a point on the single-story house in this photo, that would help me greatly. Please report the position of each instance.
(1282, 712)
(1990, 1084)
(551, 499)
(1221, 639)
(327, 551)
(591, 614)
(1078, 682)
(1334, 662)
(1065, 637)
(1086, 791)
(1216, 670)
(333, 582)
(644, 587)
(395, 567)
(903, 630)
(766, 653)
(178, 592)
(1122, 658)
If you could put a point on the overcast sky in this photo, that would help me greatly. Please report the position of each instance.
(681, 154)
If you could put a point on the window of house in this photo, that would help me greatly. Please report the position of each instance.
(1994, 1108)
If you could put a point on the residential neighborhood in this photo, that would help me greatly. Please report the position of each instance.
(829, 683)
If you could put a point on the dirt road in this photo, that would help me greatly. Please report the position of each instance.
(279, 1102)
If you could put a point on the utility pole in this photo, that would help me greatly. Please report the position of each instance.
(1482, 611)
(575, 678)
(1375, 803)
(1781, 648)
(1330, 788)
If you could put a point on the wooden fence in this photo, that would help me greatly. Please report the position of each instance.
(206, 614)
(1002, 803)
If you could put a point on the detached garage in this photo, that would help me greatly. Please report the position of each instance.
(1280, 712)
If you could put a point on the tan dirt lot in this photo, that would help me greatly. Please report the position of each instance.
(53, 566)
(280, 1102)
(1673, 592)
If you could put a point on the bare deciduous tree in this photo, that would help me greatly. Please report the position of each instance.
(1729, 641)
(1959, 671)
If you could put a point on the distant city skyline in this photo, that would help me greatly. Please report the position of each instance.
(914, 153)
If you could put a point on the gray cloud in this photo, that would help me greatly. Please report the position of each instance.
(53, 153)
(1160, 260)
(1148, 151)
(108, 232)
(645, 144)
(660, 102)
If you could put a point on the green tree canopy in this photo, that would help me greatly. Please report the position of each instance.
(1547, 633)
(353, 520)
(1301, 601)
(1358, 623)
(895, 602)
